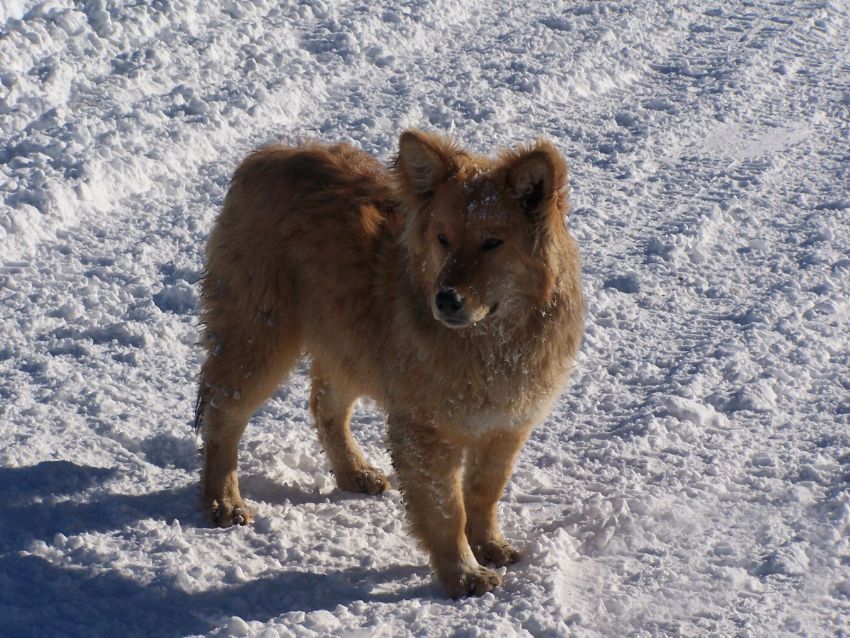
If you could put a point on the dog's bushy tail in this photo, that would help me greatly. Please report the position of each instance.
(200, 405)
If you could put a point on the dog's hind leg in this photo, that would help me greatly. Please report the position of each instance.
(236, 378)
(331, 404)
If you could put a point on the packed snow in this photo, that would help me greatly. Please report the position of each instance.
(692, 480)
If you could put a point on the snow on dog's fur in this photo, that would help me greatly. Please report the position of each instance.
(446, 288)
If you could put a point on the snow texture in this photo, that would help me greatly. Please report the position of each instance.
(693, 479)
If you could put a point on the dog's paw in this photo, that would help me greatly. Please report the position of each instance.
(372, 481)
(475, 581)
(368, 480)
(495, 552)
(225, 515)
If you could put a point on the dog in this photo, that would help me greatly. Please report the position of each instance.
(446, 287)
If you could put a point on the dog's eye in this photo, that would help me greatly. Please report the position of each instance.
(491, 243)
(444, 241)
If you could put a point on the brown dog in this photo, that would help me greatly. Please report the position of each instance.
(447, 289)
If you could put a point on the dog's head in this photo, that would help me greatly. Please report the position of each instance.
(482, 234)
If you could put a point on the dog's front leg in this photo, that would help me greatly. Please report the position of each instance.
(429, 470)
(489, 463)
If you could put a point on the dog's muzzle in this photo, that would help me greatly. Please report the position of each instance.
(449, 308)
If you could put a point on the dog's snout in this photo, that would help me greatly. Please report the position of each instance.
(449, 301)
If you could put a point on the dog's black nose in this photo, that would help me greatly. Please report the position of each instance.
(448, 300)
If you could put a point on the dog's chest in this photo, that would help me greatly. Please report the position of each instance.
(498, 402)
(490, 420)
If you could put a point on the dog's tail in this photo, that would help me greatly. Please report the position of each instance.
(200, 404)
(202, 395)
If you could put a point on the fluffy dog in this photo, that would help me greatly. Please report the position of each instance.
(447, 288)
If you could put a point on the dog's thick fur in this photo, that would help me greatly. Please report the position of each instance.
(446, 288)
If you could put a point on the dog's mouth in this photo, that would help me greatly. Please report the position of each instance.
(454, 323)
(457, 322)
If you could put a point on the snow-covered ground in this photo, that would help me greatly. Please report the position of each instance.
(693, 480)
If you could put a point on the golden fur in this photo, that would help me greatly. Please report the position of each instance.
(446, 288)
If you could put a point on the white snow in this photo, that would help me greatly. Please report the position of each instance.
(693, 478)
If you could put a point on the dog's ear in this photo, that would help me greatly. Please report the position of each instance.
(537, 177)
(424, 161)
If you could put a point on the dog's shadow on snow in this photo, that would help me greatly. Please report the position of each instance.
(43, 598)
(35, 505)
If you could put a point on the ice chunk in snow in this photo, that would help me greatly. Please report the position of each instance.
(757, 397)
(690, 410)
(180, 298)
(789, 560)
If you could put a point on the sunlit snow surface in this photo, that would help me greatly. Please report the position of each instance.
(694, 478)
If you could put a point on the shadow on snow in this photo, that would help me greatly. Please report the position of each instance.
(39, 598)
